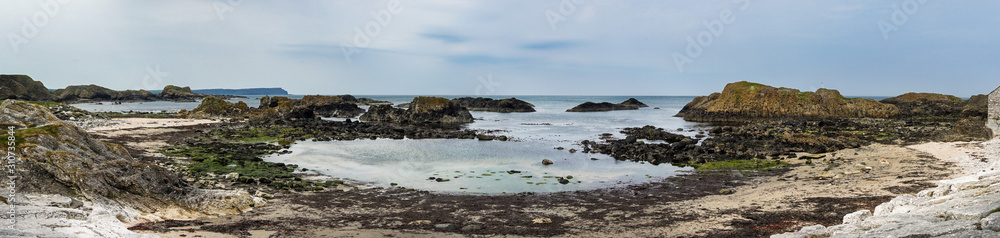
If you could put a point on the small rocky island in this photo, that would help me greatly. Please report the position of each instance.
(494, 105)
(630, 104)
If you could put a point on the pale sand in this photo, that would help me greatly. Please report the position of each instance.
(118, 124)
(771, 194)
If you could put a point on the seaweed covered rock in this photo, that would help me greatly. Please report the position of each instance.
(746, 101)
(494, 105)
(23, 87)
(927, 105)
(422, 110)
(652, 133)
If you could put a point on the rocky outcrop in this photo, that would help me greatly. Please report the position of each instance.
(216, 107)
(746, 101)
(968, 206)
(493, 105)
(928, 106)
(331, 106)
(422, 110)
(23, 87)
(328, 106)
(175, 93)
(92, 92)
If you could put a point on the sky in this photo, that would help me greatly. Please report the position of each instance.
(510, 47)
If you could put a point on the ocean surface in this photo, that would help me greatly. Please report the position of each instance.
(472, 166)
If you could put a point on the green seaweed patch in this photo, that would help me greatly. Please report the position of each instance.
(22, 134)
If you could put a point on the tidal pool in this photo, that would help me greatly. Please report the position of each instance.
(468, 166)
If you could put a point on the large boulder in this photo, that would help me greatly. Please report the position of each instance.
(23, 87)
(746, 101)
(422, 110)
(493, 105)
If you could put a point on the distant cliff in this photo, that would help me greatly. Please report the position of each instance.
(245, 91)
(743, 101)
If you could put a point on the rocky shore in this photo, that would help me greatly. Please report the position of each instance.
(778, 160)
(965, 206)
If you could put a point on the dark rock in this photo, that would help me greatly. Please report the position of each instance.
(502, 138)
(472, 227)
(492, 105)
(547, 162)
(600, 107)
(485, 137)
(633, 102)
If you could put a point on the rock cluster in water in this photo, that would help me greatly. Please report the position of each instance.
(494, 105)
(422, 110)
(630, 104)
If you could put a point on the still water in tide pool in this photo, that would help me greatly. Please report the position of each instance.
(468, 166)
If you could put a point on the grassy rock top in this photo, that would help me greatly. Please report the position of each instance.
(23, 87)
(911, 97)
(742, 101)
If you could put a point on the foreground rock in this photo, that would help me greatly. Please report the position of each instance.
(493, 105)
(422, 110)
(968, 206)
(630, 104)
(746, 101)
(23, 87)
(61, 160)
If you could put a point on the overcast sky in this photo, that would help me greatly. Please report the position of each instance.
(547, 47)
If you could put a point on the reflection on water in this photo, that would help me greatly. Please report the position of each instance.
(468, 165)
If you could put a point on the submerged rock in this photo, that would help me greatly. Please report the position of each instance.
(547, 162)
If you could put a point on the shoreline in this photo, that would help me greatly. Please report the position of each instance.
(646, 214)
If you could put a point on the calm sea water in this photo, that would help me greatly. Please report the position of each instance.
(473, 166)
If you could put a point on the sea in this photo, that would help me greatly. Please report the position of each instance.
(486, 167)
